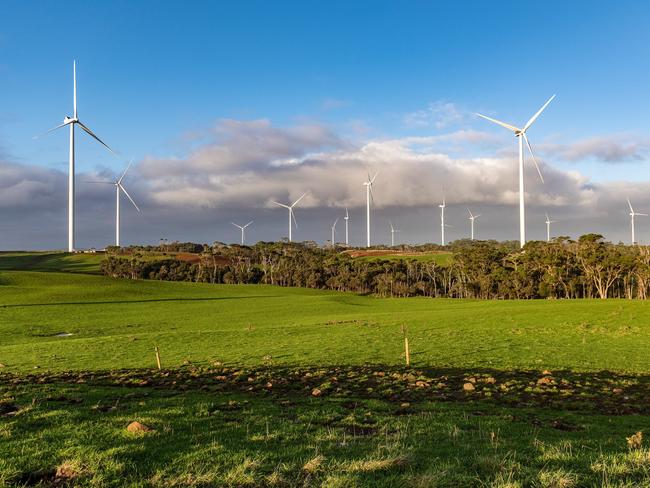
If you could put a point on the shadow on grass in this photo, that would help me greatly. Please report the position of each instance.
(373, 425)
(126, 302)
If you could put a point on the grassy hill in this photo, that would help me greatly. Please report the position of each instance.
(51, 261)
(269, 386)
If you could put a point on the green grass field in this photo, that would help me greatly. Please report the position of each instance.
(268, 386)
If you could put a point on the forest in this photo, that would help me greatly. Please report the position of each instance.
(587, 267)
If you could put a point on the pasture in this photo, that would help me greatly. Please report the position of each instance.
(269, 386)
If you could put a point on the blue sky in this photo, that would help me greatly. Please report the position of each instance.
(155, 76)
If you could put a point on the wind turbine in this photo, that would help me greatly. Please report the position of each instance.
(392, 234)
(347, 219)
(72, 121)
(548, 227)
(442, 222)
(632, 215)
(521, 134)
(242, 228)
(119, 188)
(334, 232)
(472, 218)
(290, 208)
(369, 196)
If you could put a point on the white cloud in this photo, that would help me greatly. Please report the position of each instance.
(439, 114)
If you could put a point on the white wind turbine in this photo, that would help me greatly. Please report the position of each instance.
(632, 215)
(442, 222)
(119, 188)
(548, 227)
(521, 134)
(369, 196)
(333, 241)
(472, 218)
(72, 121)
(392, 234)
(243, 230)
(347, 220)
(290, 208)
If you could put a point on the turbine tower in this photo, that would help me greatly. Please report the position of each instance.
(334, 232)
(369, 196)
(347, 220)
(521, 135)
(243, 229)
(392, 234)
(548, 227)
(290, 208)
(632, 215)
(442, 222)
(472, 218)
(72, 121)
(119, 188)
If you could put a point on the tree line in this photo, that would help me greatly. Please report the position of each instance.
(564, 268)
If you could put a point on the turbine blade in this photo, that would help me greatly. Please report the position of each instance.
(74, 87)
(91, 134)
(238, 226)
(51, 130)
(631, 209)
(301, 197)
(248, 224)
(534, 117)
(293, 217)
(128, 196)
(470, 213)
(373, 178)
(502, 124)
(280, 204)
(530, 149)
(643, 215)
(124, 174)
(336, 222)
(346, 212)
(372, 195)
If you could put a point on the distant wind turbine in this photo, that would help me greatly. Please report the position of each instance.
(290, 208)
(392, 233)
(632, 215)
(521, 134)
(347, 220)
(118, 189)
(334, 232)
(472, 218)
(442, 222)
(548, 227)
(243, 230)
(72, 121)
(369, 196)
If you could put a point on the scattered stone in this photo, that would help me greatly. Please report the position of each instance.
(546, 380)
(137, 428)
(422, 384)
(490, 380)
(546, 372)
(316, 392)
(405, 405)
(617, 391)
(3, 365)
(635, 440)
(468, 387)
(269, 385)
(472, 380)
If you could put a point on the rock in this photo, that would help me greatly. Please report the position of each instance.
(405, 405)
(422, 384)
(269, 385)
(546, 372)
(617, 391)
(546, 380)
(137, 427)
(635, 441)
(2, 365)
(490, 380)
(472, 380)
(316, 392)
(468, 387)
